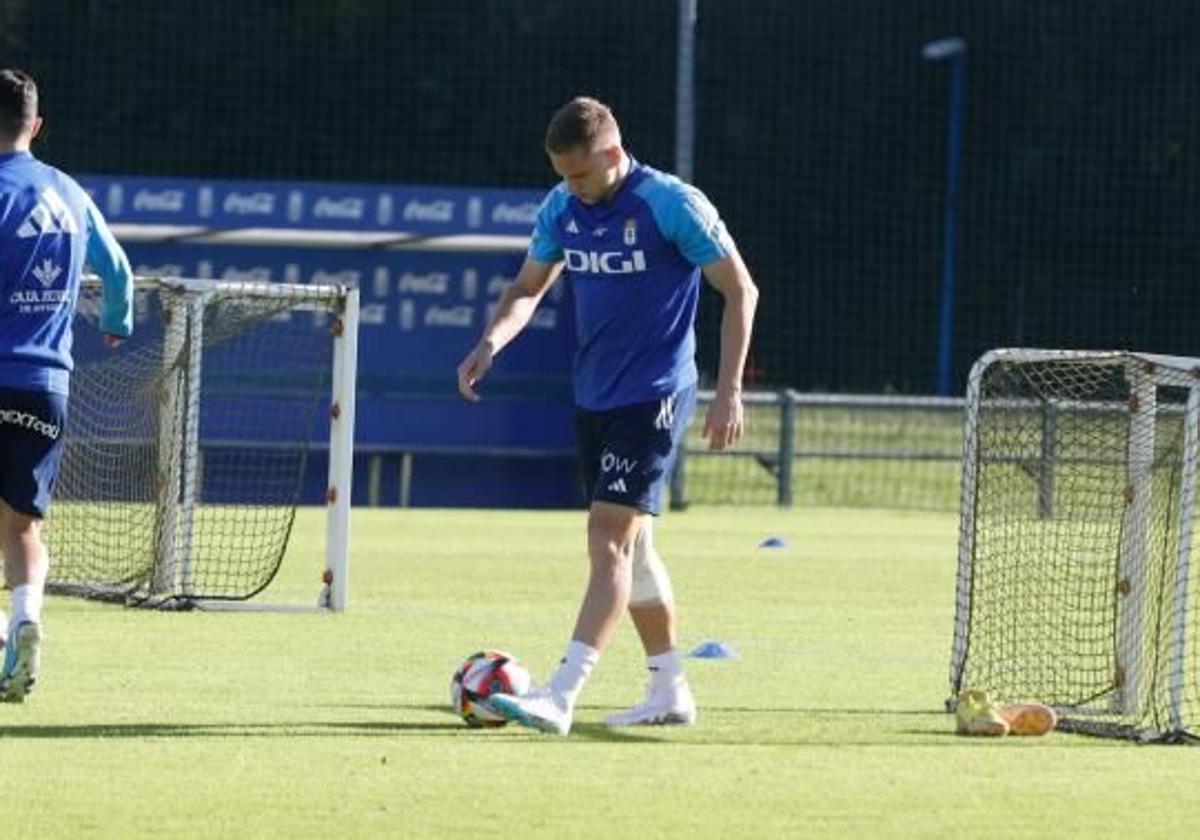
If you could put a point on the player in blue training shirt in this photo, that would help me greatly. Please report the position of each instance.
(49, 228)
(633, 242)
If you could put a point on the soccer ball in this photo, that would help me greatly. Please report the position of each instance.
(483, 674)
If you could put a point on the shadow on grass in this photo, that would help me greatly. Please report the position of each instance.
(802, 710)
(719, 726)
(443, 708)
(708, 709)
(825, 734)
(590, 731)
(315, 729)
(607, 734)
(807, 725)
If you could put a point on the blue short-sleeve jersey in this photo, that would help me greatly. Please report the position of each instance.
(633, 262)
(49, 230)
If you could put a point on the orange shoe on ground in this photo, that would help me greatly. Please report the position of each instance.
(1029, 718)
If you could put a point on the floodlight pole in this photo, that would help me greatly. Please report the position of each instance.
(685, 164)
(685, 92)
(953, 50)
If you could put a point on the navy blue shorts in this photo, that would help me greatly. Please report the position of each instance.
(31, 444)
(627, 453)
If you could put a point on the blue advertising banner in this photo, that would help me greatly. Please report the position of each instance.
(422, 309)
(215, 204)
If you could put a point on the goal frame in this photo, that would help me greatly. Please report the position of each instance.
(1145, 373)
(182, 398)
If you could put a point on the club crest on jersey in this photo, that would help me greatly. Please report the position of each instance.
(630, 236)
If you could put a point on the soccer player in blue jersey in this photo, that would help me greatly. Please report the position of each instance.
(633, 242)
(49, 228)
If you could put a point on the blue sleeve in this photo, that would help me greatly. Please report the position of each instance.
(108, 259)
(545, 245)
(686, 217)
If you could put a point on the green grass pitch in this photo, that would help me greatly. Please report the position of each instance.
(316, 725)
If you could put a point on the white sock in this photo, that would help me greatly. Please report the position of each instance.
(666, 669)
(26, 603)
(574, 669)
(3, 626)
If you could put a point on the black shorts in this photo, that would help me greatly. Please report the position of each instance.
(31, 444)
(628, 452)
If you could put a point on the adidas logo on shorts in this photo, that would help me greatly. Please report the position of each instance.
(618, 486)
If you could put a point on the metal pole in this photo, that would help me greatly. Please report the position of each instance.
(785, 495)
(1180, 621)
(685, 159)
(953, 50)
(1049, 460)
(1133, 564)
(679, 478)
(172, 410)
(685, 92)
(341, 452)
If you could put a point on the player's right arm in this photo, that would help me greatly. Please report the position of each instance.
(513, 312)
(538, 273)
(107, 258)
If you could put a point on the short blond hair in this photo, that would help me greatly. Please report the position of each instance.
(582, 123)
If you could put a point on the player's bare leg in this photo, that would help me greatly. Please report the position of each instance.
(25, 567)
(652, 607)
(655, 625)
(651, 599)
(612, 530)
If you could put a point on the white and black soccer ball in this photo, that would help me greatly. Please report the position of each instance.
(480, 676)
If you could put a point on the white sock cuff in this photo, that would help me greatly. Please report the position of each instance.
(26, 603)
(666, 666)
(577, 665)
(579, 653)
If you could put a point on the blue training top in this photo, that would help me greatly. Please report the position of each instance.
(49, 227)
(634, 265)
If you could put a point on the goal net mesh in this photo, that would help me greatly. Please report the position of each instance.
(1075, 584)
(185, 449)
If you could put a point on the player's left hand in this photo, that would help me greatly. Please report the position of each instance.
(723, 422)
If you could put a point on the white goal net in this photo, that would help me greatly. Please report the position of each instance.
(187, 448)
(1076, 550)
